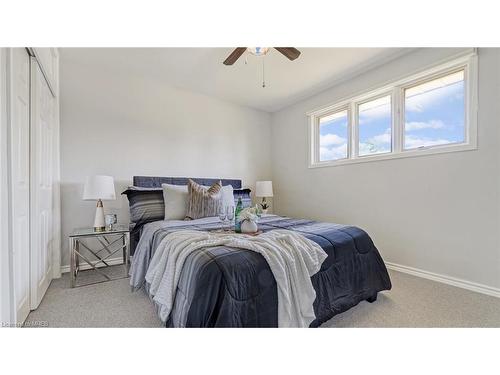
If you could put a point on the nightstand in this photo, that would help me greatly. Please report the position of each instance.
(110, 242)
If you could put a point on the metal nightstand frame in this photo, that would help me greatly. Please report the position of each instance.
(102, 238)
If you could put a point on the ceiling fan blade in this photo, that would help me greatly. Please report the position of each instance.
(290, 52)
(235, 55)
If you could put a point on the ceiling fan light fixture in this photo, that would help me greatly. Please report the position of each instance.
(258, 51)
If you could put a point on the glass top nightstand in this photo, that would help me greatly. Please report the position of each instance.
(118, 228)
(109, 243)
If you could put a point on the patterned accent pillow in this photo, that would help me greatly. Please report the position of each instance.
(203, 201)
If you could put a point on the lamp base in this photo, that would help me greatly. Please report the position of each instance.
(264, 205)
(99, 225)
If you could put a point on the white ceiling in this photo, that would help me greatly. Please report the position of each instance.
(201, 70)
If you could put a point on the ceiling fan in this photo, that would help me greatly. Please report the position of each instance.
(289, 52)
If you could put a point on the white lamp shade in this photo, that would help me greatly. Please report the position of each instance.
(99, 187)
(264, 189)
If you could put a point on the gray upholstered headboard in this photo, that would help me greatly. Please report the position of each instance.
(151, 181)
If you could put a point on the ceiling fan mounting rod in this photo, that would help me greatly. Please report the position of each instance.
(263, 74)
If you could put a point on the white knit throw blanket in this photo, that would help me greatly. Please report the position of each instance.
(293, 259)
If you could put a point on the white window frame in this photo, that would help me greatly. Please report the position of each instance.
(316, 133)
(355, 121)
(396, 89)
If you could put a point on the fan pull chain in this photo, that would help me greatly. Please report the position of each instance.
(263, 73)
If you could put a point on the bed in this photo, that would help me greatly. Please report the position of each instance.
(228, 287)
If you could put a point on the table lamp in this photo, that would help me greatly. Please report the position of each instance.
(264, 189)
(99, 188)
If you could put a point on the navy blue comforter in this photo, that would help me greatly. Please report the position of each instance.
(224, 287)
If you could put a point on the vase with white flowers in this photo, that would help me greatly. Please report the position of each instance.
(249, 218)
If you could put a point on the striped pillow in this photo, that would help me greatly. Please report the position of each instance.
(202, 201)
(146, 204)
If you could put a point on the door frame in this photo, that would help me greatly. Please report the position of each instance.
(7, 304)
(17, 314)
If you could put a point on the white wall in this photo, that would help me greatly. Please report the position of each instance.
(122, 125)
(438, 213)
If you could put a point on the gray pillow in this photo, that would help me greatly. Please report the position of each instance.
(145, 204)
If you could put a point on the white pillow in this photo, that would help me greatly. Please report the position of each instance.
(175, 197)
(227, 196)
(176, 200)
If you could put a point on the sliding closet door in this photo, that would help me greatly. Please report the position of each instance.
(43, 118)
(20, 178)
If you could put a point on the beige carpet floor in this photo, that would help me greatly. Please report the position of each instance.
(413, 302)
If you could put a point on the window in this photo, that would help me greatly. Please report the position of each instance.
(333, 136)
(427, 113)
(435, 112)
(375, 126)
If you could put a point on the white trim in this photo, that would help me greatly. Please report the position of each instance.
(56, 250)
(355, 122)
(85, 266)
(316, 131)
(468, 62)
(44, 57)
(404, 154)
(460, 283)
(6, 269)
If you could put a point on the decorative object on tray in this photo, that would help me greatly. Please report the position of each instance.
(248, 226)
(222, 217)
(99, 188)
(230, 215)
(237, 212)
(248, 219)
(264, 189)
(226, 216)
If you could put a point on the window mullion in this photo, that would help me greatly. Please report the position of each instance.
(353, 134)
(398, 120)
(316, 139)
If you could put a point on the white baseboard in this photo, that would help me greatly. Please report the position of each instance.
(460, 283)
(84, 266)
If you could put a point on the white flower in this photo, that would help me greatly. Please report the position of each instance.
(249, 213)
